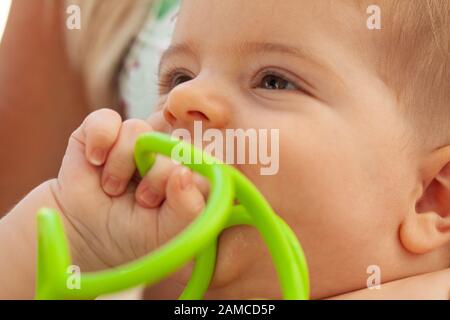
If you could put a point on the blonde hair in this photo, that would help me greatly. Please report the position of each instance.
(416, 63)
(108, 28)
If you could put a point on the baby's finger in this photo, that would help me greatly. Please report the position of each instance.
(101, 129)
(184, 202)
(152, 189)
(120, 166)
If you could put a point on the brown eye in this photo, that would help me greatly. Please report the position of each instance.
(169, 80)
(274, 82)
(179, 79)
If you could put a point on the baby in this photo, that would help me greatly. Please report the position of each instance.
(364, 151)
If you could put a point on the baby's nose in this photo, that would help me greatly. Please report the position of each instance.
(191, 101)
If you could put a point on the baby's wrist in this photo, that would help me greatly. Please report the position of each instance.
(18, 243)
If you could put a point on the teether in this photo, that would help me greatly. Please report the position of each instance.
(198, 241)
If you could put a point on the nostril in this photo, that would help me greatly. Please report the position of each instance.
(170, 118)
(198, 115)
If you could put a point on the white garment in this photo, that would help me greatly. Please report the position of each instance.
(138, 81)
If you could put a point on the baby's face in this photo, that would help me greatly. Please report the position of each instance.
(306, 68)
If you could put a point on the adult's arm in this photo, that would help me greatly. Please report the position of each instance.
(429, 286)
(41, 98)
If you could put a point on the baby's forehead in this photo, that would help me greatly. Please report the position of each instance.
(231, 25)
(323, 33)
(271, 17)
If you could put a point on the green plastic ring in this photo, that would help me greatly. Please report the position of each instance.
(198, 241)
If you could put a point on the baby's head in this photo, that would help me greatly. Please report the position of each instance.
(363, 121)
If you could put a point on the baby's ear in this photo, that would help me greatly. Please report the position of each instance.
(428, 227)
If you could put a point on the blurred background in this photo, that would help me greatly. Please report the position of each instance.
(52, 76)
(41, 96)
(4, 10)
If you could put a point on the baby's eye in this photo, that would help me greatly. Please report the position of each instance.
(170, 80)
(275, 82)
(179, 79)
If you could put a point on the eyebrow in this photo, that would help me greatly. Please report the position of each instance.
(269, 47)
(246, 48)
(176, 49)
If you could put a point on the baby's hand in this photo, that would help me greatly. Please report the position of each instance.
(108, 220)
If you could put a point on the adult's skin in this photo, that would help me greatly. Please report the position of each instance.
(41, 98)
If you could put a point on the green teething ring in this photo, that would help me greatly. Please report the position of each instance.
(198, 241)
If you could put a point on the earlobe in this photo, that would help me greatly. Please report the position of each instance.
(424, 232)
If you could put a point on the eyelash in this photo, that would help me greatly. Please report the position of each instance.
(269, 72)
(167, 79)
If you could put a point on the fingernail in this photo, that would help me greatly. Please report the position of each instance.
(149, 198)
(112, 185)
(185, 178)
(98, 157)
